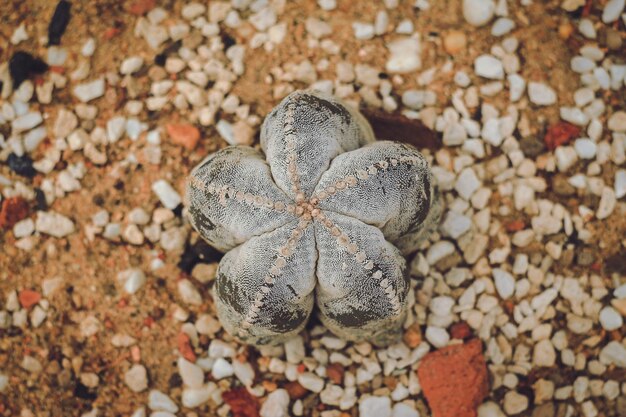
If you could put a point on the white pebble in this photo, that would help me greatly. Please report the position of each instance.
(222, 369)
(88, 91)
(53, 224)
(610, 319)
(505, 283)
(612, 10)
(375, 407)
(541, 94)
(276, 404)
(490, 67)
(166, 194)
(159, 401)
(478, 12)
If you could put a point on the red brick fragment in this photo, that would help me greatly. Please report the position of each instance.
(460, 330)
(12, 211)
(455, 379)
(559, 134)
(515, 225)
(183, 134)
(241, 403)
(184, 347)
(28, 298)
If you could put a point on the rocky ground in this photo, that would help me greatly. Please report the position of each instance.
(517, 302)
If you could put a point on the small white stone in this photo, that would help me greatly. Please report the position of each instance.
(455, 225)
(490, 409)
(587, 28)
(612, 10)
(189, 293)
(26, 122)
(574, 115)
(490, 67)
(610, 319)
(478, 12)
(31, 364)
(620, 183)
(294, 350)
(404, 410)
(375, 407)
(404, 55)
(222, 369)
(607, 203)
(437, 336)
(502, 26)
(89, 47)
(131, 65)
(614, 353)
(467, 183)
(311, 382)
(505, 283)
(159, 401)
(221, 349)
(276, 404)
(363, 31)
(244, 372)
(438, 251)
(53, 224)
(541, 94)
(133, 279)
(585, 148)
(166, 194)
(23, 228)
(192, 10)
(617, 121)
(191, 374)
(19, 34)
(136, 378)
(581, 64)
(88, 91)
(544, 354)
(517, 86)
(515, 403)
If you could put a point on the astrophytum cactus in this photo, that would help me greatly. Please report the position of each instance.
(322, 220)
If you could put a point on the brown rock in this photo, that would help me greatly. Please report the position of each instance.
(183, 134)
(460, 330)
(335, 371)
(455, 379)
(413, 336)
(12, 211)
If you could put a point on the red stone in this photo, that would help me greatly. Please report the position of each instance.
(184, 347)
(28, 298)
(455, 379)
(515, 226)
(140, 7)
(241, 403)
(335, 372)
(12, 211)
(460, 330)
(183, 134)
(559, 134)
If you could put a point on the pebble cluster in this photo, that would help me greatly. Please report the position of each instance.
(527, 264)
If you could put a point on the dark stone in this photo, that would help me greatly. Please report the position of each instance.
(620, 406)
(86, 393)
(168, 50)
(60, 19)
(613, 40)
(397, 127)
(40, 200)
(561, 186)
(531, 146)
(544, 410)
(196, 253)
(616, 263)
(585, 257)
(23, 65)
(21, 165)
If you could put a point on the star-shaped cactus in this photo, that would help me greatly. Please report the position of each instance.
(323, 219)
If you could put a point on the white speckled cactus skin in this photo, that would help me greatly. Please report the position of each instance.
(324, 222)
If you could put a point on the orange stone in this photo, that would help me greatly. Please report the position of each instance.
(413, 336)
(184, 347)
(455, 379)
(460, 330)
(454, 42)
(140, 7)
(183, 134)
(28, 298)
